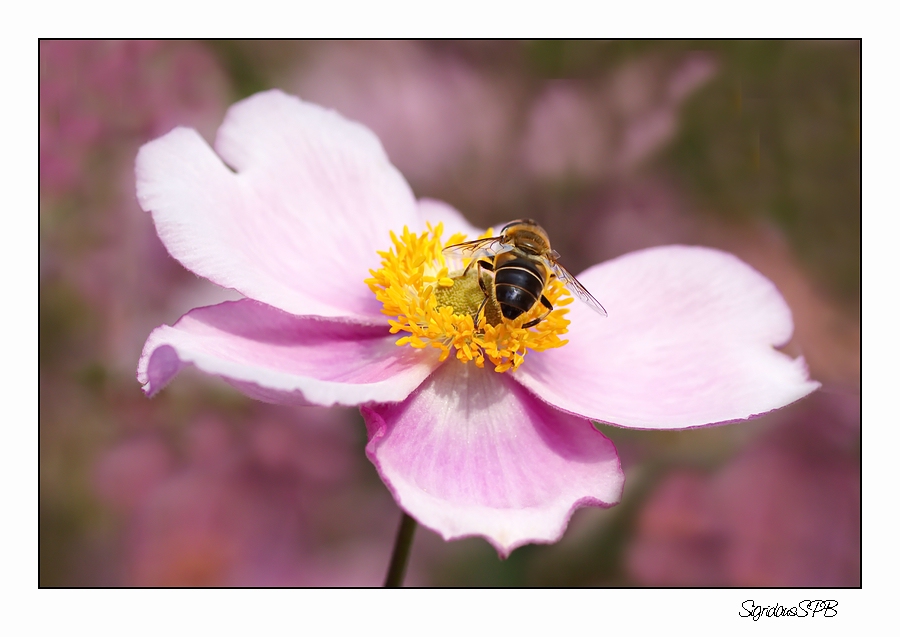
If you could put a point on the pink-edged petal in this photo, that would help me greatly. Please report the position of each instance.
(688, 342)
(298, 226)
(434, 212)
(472, 453)
(277, 357)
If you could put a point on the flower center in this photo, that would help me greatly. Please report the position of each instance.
(444, 306)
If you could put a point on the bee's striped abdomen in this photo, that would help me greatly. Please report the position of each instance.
(518, 284)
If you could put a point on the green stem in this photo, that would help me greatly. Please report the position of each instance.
(400, 557)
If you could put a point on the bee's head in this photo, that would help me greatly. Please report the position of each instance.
(527, 235)
(520, 222)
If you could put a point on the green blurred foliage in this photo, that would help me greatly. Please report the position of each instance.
(776, 135)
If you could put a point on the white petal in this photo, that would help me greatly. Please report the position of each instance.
(689, 341)
(299, 225)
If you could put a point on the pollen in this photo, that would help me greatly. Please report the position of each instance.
(435, 302)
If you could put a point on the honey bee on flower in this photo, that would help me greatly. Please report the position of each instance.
(523, 264)
(481, 312)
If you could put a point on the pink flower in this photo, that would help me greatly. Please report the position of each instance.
(292, 209)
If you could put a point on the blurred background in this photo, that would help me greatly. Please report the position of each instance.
(751, 147)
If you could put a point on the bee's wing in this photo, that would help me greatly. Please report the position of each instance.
(576, 288)
(471, 249)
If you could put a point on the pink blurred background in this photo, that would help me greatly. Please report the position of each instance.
(752, 147)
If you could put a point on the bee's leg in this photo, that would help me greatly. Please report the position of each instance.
(480, 310)
(482, 263)
(488, 266)
(547, 305)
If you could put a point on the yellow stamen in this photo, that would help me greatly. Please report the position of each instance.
(438, 307)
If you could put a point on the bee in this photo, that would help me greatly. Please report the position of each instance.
(523, 264)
